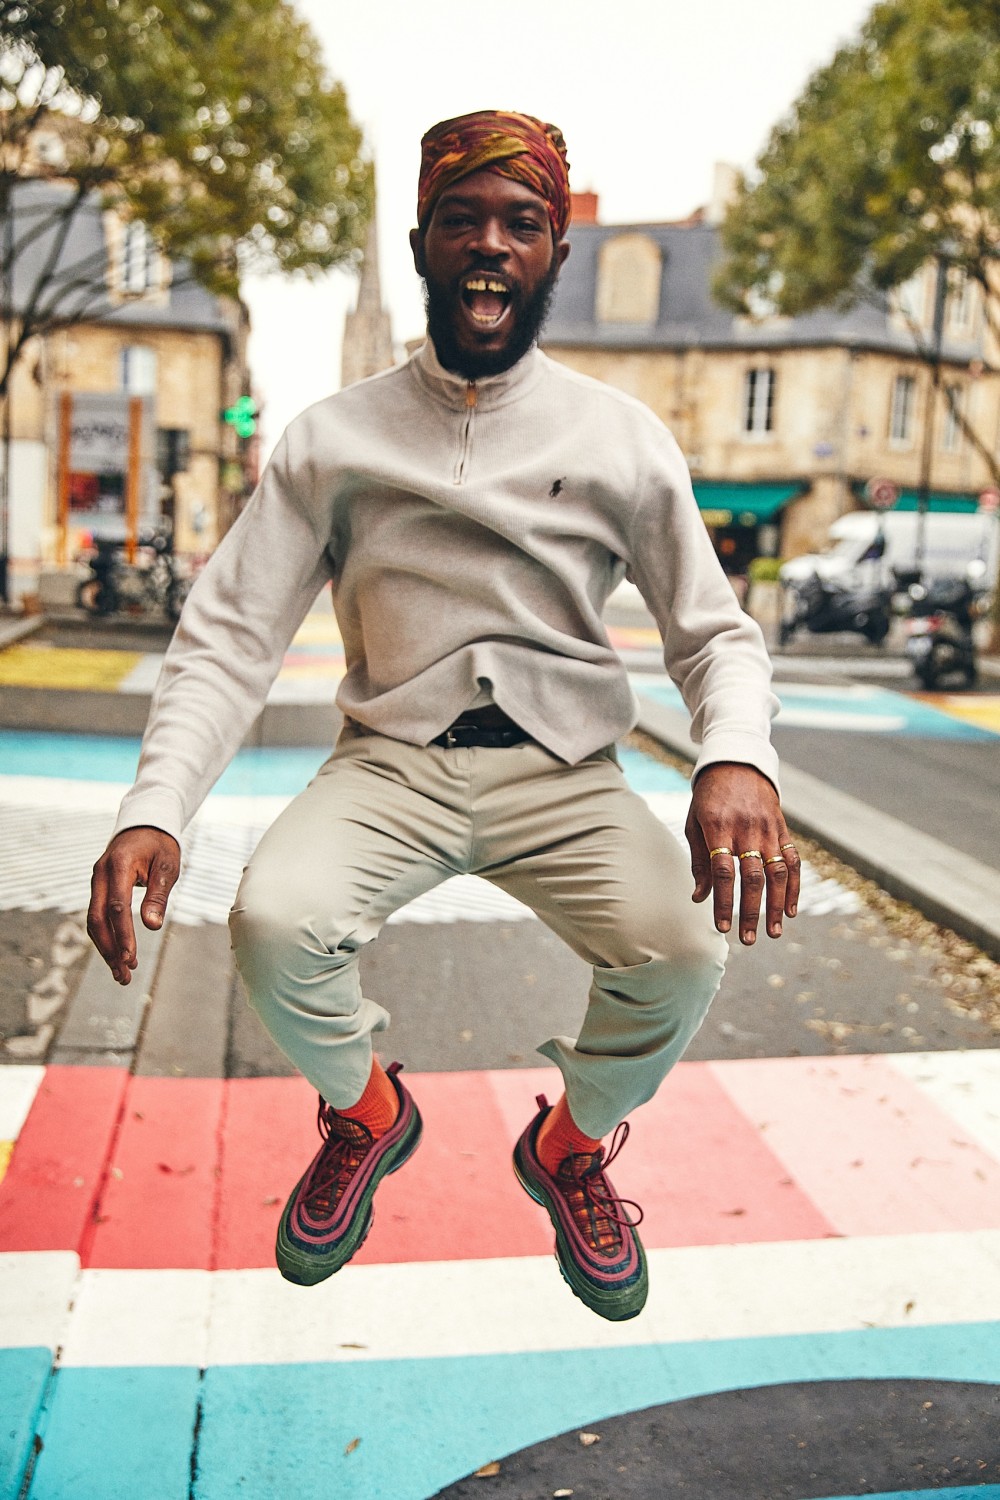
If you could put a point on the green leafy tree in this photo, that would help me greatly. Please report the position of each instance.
(214, 122)
(889, 159)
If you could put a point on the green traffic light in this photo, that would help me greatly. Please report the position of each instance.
(242, 416)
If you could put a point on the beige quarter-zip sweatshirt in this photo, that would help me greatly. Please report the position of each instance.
(472, 533)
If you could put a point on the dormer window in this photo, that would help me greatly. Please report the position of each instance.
(629, 276)
(138, 259)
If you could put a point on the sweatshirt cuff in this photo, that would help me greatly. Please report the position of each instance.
(150, 810)
(743, 749)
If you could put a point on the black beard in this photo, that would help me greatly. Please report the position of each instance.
(528, 319)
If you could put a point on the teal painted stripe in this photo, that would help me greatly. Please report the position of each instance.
(423, 1424)
(916, 718)
(123, 1434)
(24, 1375)
(276, 1430)
(645, 774)
(254, 772)
(83, 757)
(965, 1492)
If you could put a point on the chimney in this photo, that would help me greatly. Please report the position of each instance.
(725, 183)
(583, 208)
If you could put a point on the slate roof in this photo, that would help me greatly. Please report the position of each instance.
(689, 317)
(186, 305)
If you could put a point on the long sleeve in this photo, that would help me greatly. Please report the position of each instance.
(713, 651)
(226, 651)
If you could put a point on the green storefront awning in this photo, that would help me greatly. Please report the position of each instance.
(941, 502)
(726, 504)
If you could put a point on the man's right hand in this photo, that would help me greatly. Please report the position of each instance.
(137, 856)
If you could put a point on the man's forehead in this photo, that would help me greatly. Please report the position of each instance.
(471, 190)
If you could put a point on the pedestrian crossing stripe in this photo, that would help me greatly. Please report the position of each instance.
(66, 667)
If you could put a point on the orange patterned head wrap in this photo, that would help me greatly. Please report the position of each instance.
(516, 146)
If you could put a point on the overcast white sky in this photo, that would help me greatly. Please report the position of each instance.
(648, 93)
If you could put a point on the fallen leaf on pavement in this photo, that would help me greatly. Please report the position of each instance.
(488, 1471)
(588, 1439)
(352, 1445)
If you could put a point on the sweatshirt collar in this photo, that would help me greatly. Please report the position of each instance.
(491, 391)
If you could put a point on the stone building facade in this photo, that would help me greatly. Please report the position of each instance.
(782, 420)
(151, 332)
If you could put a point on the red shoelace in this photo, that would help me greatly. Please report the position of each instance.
(347, 1144)
(598, 1212)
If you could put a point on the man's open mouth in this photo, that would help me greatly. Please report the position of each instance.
(488, 300)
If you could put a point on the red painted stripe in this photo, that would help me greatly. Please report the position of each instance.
(268, 1138)
(868, 1146)
(693, 1161)
(50, 1191)
(157, 1206)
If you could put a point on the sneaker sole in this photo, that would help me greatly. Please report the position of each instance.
(615, 1306)
(309, 1267)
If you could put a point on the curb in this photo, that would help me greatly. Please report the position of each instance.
(948, 887)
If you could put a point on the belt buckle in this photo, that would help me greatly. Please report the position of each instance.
(450, 739)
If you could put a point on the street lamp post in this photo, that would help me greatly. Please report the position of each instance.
(927, 449)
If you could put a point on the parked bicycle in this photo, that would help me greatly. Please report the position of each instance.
(156, 580)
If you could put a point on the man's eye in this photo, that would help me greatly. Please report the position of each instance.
(527, 226)
(456, 221)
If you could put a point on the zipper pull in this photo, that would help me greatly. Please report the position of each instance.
(471, 394)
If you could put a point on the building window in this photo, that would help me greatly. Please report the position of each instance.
(901, 418)
(137, 259)
(629, 274)
(758, 401)
(138, 370)
(951, 431)
(960, 302)
(911, 298)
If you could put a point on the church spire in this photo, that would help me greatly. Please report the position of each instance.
(367, 346)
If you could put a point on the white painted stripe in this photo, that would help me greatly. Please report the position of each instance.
(18, 1087)
(966, 1085)
(139, 1318)
(455, 1308)
(50, 839)
(143, 676)
(36, 1291)
(831, 718)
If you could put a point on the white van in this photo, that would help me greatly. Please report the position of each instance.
(951, 542)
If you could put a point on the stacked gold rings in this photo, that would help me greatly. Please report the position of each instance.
(713, 852)
(752, 854)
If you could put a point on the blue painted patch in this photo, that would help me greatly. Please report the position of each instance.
(911, 715)
(84, 757)
(24, 1375)
(120, 1434)
(422, 1424)
(965, 1492)
(646, 774)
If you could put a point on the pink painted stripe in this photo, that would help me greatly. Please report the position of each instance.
(49, 1195)
(695, 1163)
(156, 1210)
(870, 1149)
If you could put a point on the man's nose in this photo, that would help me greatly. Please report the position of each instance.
(490, 240)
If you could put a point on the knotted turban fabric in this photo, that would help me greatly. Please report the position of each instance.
(516, 146)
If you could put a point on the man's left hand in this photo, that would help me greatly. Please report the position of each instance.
(736, 820)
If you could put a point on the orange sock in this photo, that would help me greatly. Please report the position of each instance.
(559, 1136)
(379, 1104)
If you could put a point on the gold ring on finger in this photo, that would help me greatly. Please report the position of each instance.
(776, 859)
(752, 854)
(713, 852)
(788, 846)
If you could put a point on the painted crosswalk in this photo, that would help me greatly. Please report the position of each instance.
(808, 1219)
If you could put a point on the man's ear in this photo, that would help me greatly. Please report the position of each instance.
(562, 251)
(417, 248)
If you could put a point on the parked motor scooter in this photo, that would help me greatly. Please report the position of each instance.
(822, 605)
(939, 638)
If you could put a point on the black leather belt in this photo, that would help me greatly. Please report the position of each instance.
(489, 727)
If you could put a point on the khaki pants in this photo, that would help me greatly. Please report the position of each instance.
(384, 821)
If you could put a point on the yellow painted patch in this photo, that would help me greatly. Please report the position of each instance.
(317, 629)
(6, 1152)
(633, 637)
(983, 709)
(56, 667)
